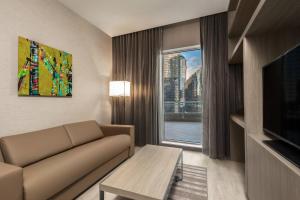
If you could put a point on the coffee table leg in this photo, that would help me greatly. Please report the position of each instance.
(181, 177)
(101, 195)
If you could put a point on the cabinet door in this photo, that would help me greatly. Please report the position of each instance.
(268, 177)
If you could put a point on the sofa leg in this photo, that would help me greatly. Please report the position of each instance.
(101, 195)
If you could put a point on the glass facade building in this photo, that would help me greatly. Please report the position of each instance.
(182, 88)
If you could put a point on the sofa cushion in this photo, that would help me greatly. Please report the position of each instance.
(83, 132)
(91, 178)
(1, 157)
(44, 179)
(28, 148)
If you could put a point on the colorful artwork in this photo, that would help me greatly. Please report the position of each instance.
(43, 71)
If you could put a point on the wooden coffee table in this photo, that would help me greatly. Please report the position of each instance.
(148, 175)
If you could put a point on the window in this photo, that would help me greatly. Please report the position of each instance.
(182, 99)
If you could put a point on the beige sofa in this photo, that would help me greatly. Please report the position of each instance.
(61, 162)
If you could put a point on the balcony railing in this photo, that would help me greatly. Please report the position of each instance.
(188, 111)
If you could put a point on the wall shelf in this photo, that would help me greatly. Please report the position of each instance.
(237, 138)
(263, 21)
(237, 54)
(238, 119)
(241, 16)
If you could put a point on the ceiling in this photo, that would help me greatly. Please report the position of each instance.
(117, 17)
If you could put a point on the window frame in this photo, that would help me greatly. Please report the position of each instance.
(163, 140)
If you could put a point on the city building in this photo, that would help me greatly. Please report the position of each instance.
(174, 73)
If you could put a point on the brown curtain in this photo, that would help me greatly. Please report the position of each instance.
(236, 88)
(213, 32)
(136, 59)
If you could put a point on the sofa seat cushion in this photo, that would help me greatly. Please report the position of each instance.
(44, 179)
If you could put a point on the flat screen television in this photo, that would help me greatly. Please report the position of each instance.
(281, 98)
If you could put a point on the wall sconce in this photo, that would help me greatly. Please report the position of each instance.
(119, 88)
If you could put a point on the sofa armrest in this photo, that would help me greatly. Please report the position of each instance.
(11, 182)
(110, 130)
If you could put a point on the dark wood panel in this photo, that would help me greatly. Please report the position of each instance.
(232, 5)
(274, 15)
(238, 119)
(269, 46)
(237, 144)
(231, 45)
(237, 54)
(242, 16)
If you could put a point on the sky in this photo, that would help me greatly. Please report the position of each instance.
(194, 61)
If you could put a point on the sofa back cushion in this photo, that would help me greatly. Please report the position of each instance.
(27, 148)
(1, 157)
(83, 132)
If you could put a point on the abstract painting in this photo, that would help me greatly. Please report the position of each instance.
(43, 70)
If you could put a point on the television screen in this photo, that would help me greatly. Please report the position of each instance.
(281, 98)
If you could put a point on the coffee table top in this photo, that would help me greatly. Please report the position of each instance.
(145, 176)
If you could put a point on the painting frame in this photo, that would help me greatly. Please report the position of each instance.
(43, 70)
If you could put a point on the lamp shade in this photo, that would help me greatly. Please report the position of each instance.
(119, 88)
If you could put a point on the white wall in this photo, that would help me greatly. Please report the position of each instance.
(50, 23)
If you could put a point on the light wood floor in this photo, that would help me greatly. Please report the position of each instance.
(225, 179)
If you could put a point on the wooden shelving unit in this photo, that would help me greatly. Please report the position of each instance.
(238, 119)
(259, 31)
(244, 11)
(236, 56)
(237, 138)
(274, 15)
(237, 53)
(261, 20)
(233, 5)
